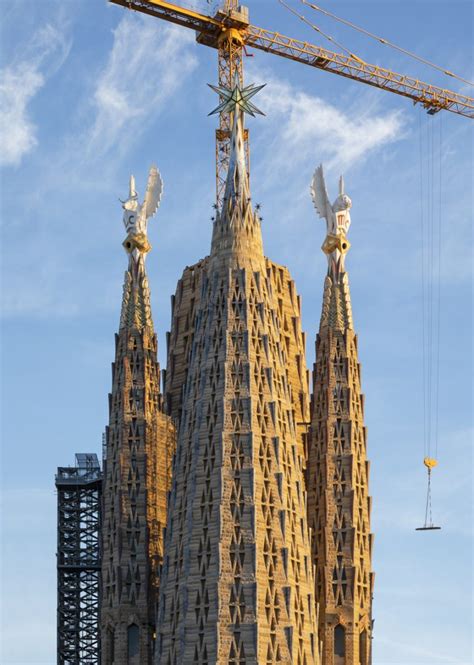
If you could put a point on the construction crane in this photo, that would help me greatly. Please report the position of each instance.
(230, 32)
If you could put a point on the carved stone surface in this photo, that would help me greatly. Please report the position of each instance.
(140, 443)
(337, 218)
(337, 484)
(237, 584)
(257, 503)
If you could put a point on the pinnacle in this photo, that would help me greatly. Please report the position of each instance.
(337, 309)
(337, 452)
(136, 308)
(237, 233)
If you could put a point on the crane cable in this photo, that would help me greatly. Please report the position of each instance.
(431, 187)
(431, 232)
(386, 42)
(317, 29)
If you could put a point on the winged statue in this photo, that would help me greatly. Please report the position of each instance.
(337, 218)
(136, 214)
(320, 197)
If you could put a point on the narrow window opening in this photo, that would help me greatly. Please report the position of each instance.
(133, 641)
(363, 648)
(110, 646)
(339, 645)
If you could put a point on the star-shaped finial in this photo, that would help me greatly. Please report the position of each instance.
(237, 97)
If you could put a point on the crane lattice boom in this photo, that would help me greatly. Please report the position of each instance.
(232, 24)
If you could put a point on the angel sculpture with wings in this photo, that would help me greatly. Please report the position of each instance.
(136, 215)
(337, 218)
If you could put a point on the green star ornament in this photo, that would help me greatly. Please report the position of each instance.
(237, 97)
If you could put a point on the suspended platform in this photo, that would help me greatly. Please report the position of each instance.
(430, 463)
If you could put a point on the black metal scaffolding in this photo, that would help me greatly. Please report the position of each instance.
(78, 561)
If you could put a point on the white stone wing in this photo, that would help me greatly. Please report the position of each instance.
(154, 190)
(320, 198)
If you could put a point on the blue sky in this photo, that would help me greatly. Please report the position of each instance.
(91, 93)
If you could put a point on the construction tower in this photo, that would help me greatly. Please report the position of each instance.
(79, 490)
(338, 470)
(137, 469)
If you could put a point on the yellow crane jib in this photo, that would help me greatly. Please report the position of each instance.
(235, 23)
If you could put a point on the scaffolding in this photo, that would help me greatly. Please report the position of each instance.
(79, 490)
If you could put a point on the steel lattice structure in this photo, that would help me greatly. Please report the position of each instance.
(79, 491)
(232, 23)
(230, 32)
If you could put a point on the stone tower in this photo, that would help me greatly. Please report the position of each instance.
(237, 585)
(338, 470)
(137, 473)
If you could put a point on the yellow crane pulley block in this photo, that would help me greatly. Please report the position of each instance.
(230, 35)
(430, 462)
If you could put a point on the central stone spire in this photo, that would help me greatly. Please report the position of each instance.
(237, 585)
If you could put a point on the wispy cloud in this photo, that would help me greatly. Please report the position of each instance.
(300, 131)
(17, 86)
(309, 126)
(147, 64)
(20, 81)
(142, 72)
